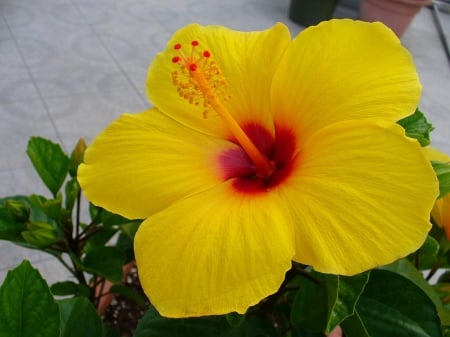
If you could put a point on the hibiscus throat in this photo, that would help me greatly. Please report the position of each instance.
(199, 80)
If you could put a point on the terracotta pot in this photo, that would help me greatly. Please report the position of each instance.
(396, 14)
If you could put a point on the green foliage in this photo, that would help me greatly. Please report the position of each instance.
(106, 262)
(27, 307)
(391, 303)
(79, 318)
(417, 126)
(50, 162)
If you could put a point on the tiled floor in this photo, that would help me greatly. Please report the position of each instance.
(69, 67)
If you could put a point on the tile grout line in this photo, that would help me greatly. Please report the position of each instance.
(104, 45)
(30, 74)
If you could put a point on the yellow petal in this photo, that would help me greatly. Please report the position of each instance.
(361, 196)
(435, 154)
(143, 162)
(441, 209)
(215, 252)
(247, 61)
(342, 70)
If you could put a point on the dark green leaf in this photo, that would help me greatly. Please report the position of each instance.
(310, 306)
(153, 325)
(235, 319)
(343, 297)
(416, 126)
(443, 174)
(406, 269)
(66, 288)
(27, 307)
(79, 318)
(430, 246)
(392, 304)
(50, 162)
(106, 262)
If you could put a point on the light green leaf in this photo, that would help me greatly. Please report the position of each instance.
(417, 126)
(27, 307)
(72, 191)
(79, 318)
(50, 162)
(343, 294)
(106, 262)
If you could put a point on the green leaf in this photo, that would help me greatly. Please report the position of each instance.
(430, 246)
(66, 288)
(322, 305)
(406, 269)
(153, 325)
(106, 262)
(41, 235)
(392, 304)
(417, 126)
(27, 307)
(79, 318)
(50, 162)
(310, 306)
(442, 171)
(343, 294)
(235, 319)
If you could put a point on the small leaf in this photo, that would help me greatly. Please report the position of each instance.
(417, 126)
(106, 262)
(66, 288)
(79, 318)
(443, 174)
(347, 293)
(50, 162)
(27, 307)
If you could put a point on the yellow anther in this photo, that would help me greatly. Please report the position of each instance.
(200, 79)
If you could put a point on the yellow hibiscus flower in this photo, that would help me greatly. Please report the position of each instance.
(262, 151)
(441, 209)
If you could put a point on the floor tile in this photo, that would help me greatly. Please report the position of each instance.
(85, 116)
(21, 120)
(67, 80)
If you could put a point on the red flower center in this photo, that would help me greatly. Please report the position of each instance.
(279, 149)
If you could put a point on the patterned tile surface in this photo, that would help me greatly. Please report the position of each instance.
(69, 67)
